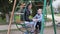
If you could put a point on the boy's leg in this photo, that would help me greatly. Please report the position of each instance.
(38, 27)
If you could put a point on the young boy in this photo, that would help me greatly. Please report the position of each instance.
(38, 19)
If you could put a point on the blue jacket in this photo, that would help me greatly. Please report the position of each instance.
(39, 17)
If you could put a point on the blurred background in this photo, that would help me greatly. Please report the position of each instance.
(6, 8)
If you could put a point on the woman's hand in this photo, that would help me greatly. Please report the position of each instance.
(30, 17)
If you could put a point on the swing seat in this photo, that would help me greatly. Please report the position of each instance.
(24, 26)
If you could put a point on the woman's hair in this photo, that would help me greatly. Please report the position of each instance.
(28, 5)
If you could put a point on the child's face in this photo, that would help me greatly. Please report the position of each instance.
(39, 11)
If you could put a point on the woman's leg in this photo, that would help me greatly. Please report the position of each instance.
(36, 28)
(32, 26)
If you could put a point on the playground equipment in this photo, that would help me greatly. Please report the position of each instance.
(43, 20)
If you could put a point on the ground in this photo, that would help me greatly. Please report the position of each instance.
(47, 30)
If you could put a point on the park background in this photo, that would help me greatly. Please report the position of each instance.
(6, 8)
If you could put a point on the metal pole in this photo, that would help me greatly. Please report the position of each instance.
(53, 17)
(42, 24)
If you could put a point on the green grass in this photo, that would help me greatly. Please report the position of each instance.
(2, 22)
(58, 14)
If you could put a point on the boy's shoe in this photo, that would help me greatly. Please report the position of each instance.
(38, 31)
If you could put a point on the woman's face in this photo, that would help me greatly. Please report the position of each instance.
(30, 6)
(21, 6)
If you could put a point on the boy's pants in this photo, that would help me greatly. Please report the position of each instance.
(38, 25)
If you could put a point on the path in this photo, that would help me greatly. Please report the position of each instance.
(5, 27)
(57, 18)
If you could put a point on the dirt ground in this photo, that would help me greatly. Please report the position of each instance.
(47, 30)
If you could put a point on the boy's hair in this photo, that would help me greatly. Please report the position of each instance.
(39, 9)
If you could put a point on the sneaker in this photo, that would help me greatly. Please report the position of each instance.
(32, 31)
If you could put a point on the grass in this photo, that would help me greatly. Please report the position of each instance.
(58, 14)
(2, 22)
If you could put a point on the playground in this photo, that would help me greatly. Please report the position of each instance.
(30, 17)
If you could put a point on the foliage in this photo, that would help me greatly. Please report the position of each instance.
(5, 7)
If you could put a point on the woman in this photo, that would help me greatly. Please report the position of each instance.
(28, 12)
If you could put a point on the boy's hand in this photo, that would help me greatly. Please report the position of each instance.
(34, 19)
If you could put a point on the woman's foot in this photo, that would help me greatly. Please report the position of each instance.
(32, 31)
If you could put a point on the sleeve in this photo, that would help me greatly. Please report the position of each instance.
(35, 16)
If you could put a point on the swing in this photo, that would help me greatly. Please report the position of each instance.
(23, 27)
(42, 27)
(21, 24)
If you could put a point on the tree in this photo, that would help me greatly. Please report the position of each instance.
(5, 7)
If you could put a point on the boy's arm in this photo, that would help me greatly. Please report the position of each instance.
(35, 16)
